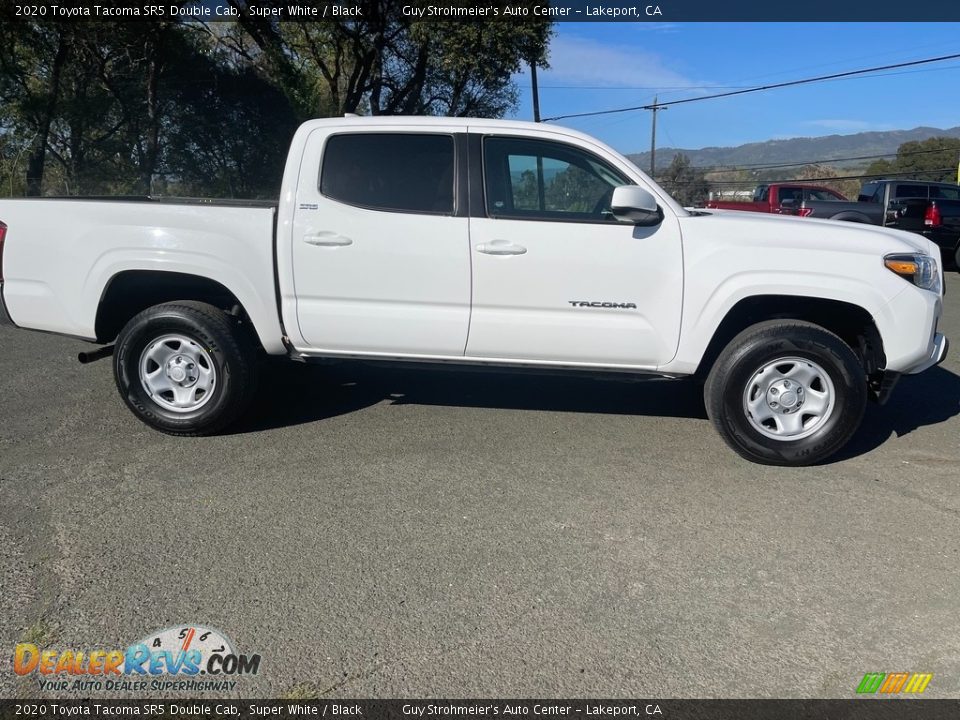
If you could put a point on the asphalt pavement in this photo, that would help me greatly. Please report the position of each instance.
(395, 533)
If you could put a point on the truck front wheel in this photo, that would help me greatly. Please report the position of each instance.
(185, 368)
(786, 392)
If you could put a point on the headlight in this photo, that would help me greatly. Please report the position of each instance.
(919, 269)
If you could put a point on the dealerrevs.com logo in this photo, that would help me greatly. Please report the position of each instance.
(186, 657)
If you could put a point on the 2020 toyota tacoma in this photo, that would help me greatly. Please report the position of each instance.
(481, 242)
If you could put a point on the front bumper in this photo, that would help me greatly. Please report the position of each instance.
(937, 355)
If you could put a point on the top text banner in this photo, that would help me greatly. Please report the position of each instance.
(672, 11)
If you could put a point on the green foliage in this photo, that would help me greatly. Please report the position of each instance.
(526, 192)
(571, 189)
(575, 190)
(388, 63)
(191, 108)
(934, 159)
(824, 174)
(880, 168)
(686, 184)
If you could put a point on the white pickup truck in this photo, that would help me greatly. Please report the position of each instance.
(484, 242)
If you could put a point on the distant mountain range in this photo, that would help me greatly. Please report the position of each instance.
(827, 148)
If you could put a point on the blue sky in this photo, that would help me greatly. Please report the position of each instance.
(596, 66)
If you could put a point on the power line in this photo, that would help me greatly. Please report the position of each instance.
(759, 88)
(820, 179)
(734, 168)
(673, 88)
(660, 88)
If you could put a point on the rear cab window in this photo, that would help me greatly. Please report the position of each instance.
(393, 172)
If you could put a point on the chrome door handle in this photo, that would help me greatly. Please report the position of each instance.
(501, 247)
(327, 238)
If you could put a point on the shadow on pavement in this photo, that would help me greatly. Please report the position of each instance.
(294, 393)
(929, 398)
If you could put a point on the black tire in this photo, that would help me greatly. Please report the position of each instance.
(223, 344)
(956, 259)
(736, 373)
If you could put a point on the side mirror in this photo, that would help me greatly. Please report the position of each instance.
(633, 204)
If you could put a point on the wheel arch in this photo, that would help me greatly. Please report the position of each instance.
(850, 322)
(854, 217)
(129, 292)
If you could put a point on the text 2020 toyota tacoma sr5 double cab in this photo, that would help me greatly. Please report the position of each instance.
(481, 242)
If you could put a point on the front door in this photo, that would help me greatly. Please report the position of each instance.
(555, 276)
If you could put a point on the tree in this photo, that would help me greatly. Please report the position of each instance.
(230, 135)
(823, 174)
(32, 60)
(391, 64)
(686, 184)
(121, 108)
(934, 159)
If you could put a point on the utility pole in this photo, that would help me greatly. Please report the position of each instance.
(536, 92)
(655, 108)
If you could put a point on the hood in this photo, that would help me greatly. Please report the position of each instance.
(806, 233)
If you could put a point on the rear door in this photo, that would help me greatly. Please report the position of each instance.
(381, 255)
(555, 277)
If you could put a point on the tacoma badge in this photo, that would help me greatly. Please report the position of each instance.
(587, 303)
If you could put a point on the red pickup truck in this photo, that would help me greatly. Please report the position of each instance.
(769, 198)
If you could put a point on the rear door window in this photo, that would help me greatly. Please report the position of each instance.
(397, 172)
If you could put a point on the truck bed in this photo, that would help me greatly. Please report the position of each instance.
(72, 249)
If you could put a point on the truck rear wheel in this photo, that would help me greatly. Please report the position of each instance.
(786, 392)
(185, 368)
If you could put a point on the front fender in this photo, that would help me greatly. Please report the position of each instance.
(703, 316)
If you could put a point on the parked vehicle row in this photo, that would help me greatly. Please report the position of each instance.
(770, 198)
(931, 209)
(475, 242)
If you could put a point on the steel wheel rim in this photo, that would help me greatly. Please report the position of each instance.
(789, 398)
(177, 373)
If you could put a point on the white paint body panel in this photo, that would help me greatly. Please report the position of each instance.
(401, 284)
(413, 287)
(730, 256)
(522, 303)
(61, 254)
